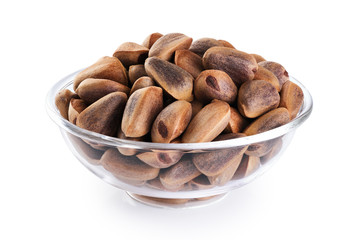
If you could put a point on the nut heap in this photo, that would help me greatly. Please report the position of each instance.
(171, 89)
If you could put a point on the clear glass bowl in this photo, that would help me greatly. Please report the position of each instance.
(89, 147)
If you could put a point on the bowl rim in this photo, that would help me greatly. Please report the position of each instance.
(101, 139)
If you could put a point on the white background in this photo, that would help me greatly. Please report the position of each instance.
(311, 193)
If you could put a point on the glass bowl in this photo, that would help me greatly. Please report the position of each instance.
(231, 163)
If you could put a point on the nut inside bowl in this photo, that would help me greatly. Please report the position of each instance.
(176, 174)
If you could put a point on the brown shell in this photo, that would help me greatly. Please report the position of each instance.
(142, 82)
(248, 165)
(227, 174)
(257, 97)
(189, 61)
(257, 57)
(208, 123)
(160, 159)
(151, 39)
(199, 183)
(130, 53)
(278, 70)
(92, 89)
(213, 163)
(62, 101)
(226, 43)
(76, 106)
(106, 68)
(179, 174)
(173, 79)
(126, 150)
(275, 150)
(127, 167)
(104, 115)
(141, 109)
(165, 47)
(90, 154)
(196, 106)
(264, 74)
(291, 98)
(273, 119)
(237, 122)
(201, 45)
(239, 65)
(215, 84)
(171, 122)
(136, 71)
(260, 149)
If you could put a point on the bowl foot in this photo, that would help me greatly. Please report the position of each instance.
(179, 203)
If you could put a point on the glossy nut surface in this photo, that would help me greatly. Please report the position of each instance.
(106, 68)
(239, 65)
(140, 111)
(257, 97)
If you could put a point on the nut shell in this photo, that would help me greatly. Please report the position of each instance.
(165, 47)
(171, 122)
(239, 65)
(257, 97)
(92, 89)
(76, 106)
(291, 97)
(208, 123)
(140, 111)
(201, 45)
(273, 119)
(189, 61)
(104, 115)
(130, 53)
(215, 84)
(278, 70)
(179, 174)
(62, 101)
(127, 167)
(173, 79)
(106, 68)
(151, 39)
